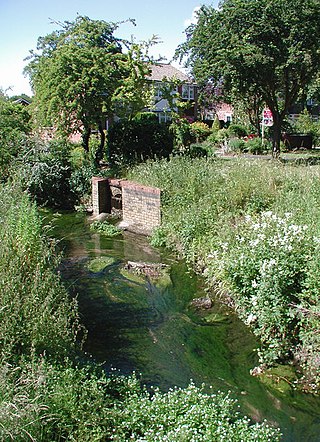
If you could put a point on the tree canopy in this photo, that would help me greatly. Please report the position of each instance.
(80, 74)
(266, 48)
(14, 126)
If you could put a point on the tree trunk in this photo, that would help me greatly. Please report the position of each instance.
(99, 152)
(85, 138)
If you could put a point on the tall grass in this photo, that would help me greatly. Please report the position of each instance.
(206, 208)
(36, 315)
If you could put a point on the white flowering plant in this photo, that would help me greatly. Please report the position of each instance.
(265, 264)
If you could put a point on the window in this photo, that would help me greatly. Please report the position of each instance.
(157, 90)
(164, 117)
(187, 92)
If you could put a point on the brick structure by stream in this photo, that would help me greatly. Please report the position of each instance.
(139, 206)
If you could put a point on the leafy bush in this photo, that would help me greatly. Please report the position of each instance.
(236, 145)
(14, 127)
(196, 150)
(256, 146)
(45, 402)
(44, 170)
(200, 131)
(304, 124)
(265, 265)
(131, 142)
(237, 130)
(80, 180)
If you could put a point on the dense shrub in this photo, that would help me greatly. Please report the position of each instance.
(200, 131)
(236, 145)
(44, 169)
(256, 146)
(131, 142)
(196, 150)
(265, 262)
(14, 127)
(237, 130)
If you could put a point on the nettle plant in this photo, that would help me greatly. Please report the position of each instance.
(265, 264)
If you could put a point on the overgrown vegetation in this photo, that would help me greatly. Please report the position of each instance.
(252, 229)
(131, 142)
(14, 128)
(36, 315)
(48, 393)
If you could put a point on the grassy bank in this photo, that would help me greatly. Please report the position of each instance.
(252, 228)
(48, 392)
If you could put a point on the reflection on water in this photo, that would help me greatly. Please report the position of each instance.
(136, 323)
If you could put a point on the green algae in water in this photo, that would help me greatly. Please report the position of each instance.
(97, 265)
(161, 280)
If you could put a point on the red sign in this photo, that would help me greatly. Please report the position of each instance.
(267, 118)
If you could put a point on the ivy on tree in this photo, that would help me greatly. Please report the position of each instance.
(80, 75)
(265, 48)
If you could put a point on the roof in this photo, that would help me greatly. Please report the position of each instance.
(161, 70)
(22, 101)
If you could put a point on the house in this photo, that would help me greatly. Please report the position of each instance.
(22, 101)
(223, 111)
(187, 89)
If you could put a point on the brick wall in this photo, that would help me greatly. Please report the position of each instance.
(141, 205)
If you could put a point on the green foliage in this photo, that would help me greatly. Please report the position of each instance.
(179, 415)
(216, 124)
(251, 46)
(236, 145)
(304, 124)
(105, 228)
(36, 315)
(237, 130)
(14, 126)
(196, 150)
(46, 402)
(256, 146)
(265, 263)
(44, 170)
(134, 141)
(159, 238)
(181, 130)
(200, 131)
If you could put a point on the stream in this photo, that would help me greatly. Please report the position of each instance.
(147, 325)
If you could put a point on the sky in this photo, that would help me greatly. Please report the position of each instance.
(24, 21)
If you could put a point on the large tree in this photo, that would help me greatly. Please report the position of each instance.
(80, 72)
(269, 48)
